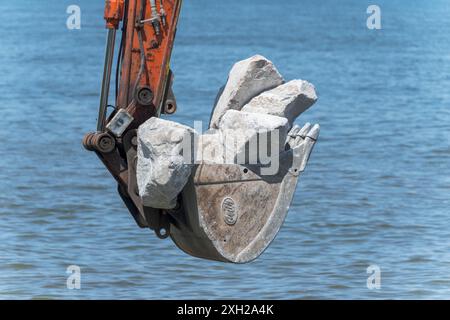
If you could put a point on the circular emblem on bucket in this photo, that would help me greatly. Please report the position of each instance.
(229, 211)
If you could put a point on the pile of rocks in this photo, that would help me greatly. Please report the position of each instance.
(255, 103)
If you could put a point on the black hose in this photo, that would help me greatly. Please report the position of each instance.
(121, 49)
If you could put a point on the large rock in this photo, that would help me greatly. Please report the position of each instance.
(244, 133)
(288, 100)
(162, 170)
(247, 79)
(210, 148)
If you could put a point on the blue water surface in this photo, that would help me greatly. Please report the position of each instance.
(376, 191)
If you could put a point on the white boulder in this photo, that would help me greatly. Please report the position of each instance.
(245, 135)
(288, 100)
(162, 170)
(210, 148)
(247, 79)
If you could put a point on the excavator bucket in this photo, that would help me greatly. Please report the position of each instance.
(232, 213)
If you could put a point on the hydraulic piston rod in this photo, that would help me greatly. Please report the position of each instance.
(109, 56)
(114, 11)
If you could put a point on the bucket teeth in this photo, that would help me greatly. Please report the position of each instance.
(314, 132)
(294, 131)
(304, 131)
(306, 143)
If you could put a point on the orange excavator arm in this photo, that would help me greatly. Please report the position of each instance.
(145, 73)
(142, 88)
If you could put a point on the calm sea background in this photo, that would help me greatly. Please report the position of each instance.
(376, 191)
